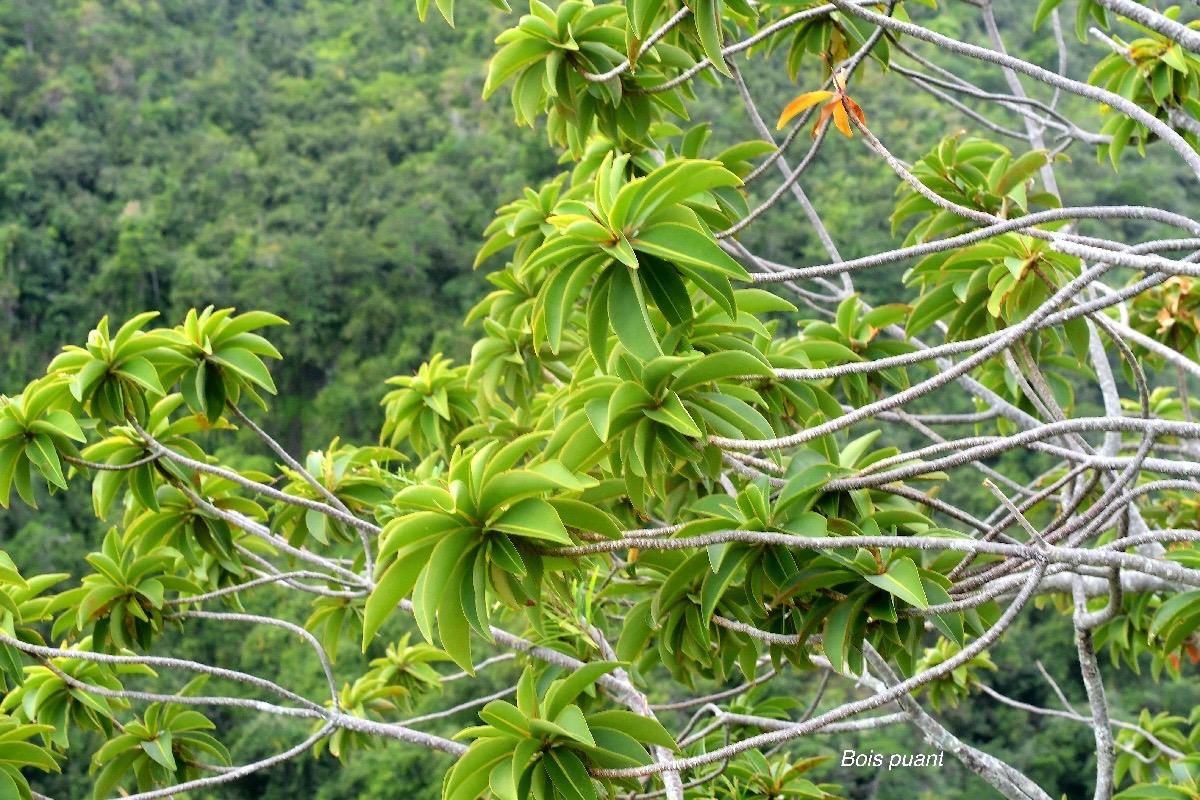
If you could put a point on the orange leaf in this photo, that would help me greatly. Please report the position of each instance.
(800, 104)
(856, 111)
(842, 119)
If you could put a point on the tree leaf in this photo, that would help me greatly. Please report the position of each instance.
(840, 627)
(1044, 9)
(628, 316)
(707, 16)
(679, 244)
(432, 582)
(141, 372)
(246, 364)
(903, 581)
(42, 454)
(715, 583)
(506, 717)
(454, 629)
(643, 729)
(800, 105)
(565, 690)
(571, 719)
(159, 749)
(672, 414)
(396, 582)
(533, 518)
(469, 776)
(569, 775)
(512, 58)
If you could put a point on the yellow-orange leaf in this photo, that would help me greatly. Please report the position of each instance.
(800, 104)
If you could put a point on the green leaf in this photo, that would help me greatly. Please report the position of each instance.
(677, 584)
(505, 717)
(244, 323)
(585, 517)
(533, 518)
(672, 414)
(396, 582)
(836, 638)
(715, 583)
(88, 376)
(1151, 791)
(66, 424)
(1173, 57)
(667, 289)
(12, 453)
(112, 774)
(501, 781)
(142, 373)
(718, 366)
(1044, 9)
(931, 307)
(1122, 130)
(213, 392)
(471, 773)
(636, 631)
(642, 14)
(951, 624)
(1176, 620)
(105, 485)
(524, 754)
(659, 193)
(141, 483)
(11, 788)
(565, 690)
(425, 497)
(246, 364)
(571, 719)
(568, 775)
(643, 729)
(624, 404)
(159, 749)
(514, 485)
(616, 750)
(855, 450)
(707, 14)
(1078, 337)
(512, 58)
(1021, 170)
(902, 580)
(803, 484)
(597, 318)
(628, 315)
(41, 452)
(454, 629)
(680, 244)
(504, 555)
(432, 583)
(24, 754)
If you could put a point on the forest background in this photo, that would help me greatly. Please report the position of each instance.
(332, 161)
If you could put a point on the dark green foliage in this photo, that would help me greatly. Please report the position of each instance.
(331, 162)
